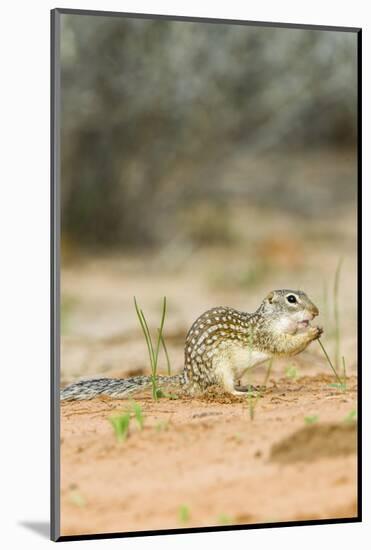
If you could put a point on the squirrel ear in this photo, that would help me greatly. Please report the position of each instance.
(270, 297)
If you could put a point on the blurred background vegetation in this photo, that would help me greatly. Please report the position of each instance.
(206, 162)
(166, 121)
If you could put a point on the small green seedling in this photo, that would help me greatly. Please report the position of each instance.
(161, 393)
(138, 413)
(77, 499)
(312, 419)
(343, 385)
(351, 417)
(291, 372)
(184, 514)
(224, 519)
(162, 426)
(120, 426)
(153, 351)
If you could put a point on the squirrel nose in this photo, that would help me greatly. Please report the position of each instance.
(314, 310)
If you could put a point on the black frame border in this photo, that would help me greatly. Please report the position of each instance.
(55, 224)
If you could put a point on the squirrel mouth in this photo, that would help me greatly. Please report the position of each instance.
(303, 324)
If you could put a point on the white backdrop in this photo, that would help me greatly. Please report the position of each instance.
(24, 234)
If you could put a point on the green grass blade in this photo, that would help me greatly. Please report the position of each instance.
(336, 312)
(156, 393)
(166, 353)
(151, 353)
(146, 333)
(161, 328)
(330, 363)
(138, 414)
(344, 372)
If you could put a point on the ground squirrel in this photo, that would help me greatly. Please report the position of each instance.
(222, 344)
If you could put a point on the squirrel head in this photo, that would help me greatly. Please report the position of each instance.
(290, 310)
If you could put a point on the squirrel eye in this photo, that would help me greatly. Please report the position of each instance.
(291, 298)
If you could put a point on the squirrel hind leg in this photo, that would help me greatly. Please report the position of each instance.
(226, 378)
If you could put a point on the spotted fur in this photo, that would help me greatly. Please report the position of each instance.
(221, 344)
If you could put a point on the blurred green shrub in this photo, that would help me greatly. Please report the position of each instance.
(150, 109)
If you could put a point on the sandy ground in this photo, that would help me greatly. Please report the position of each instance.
(205, 461)
(202, 462)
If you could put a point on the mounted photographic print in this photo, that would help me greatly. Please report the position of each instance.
(205, 302)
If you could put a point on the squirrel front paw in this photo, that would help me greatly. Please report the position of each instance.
(315, 332)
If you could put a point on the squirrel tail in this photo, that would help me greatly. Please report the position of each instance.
(116, 388)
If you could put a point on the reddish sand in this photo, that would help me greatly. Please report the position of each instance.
(203, 462)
